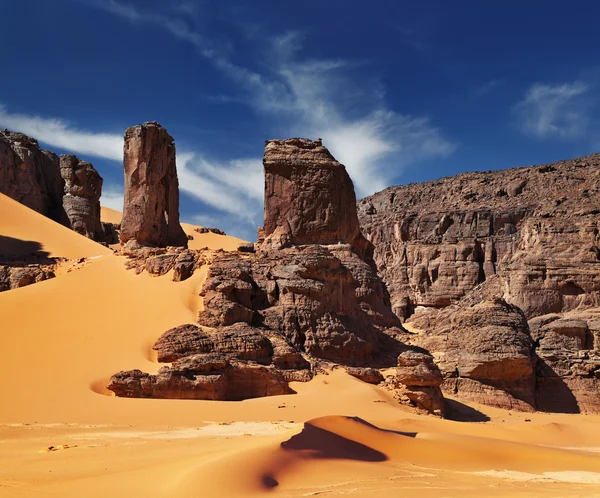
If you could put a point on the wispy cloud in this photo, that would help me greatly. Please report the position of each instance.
(555, 110)
(61, 134)
(317, 99)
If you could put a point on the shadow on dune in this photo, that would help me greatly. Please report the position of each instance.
(16, 251)
(324, 444)
(321, 443)
(460, 412)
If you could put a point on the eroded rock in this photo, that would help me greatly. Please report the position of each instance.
(151, 206)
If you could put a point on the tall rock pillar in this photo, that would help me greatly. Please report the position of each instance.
(151, 206)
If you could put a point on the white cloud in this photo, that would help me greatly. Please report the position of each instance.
(554, 111)
(112, 196)
(231, 187)
(59, 133)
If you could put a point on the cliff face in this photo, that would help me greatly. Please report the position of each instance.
(465, 257)
(537, 227)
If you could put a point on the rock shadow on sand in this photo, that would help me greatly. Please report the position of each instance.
(459, 412)
(15, 251)
(323, 444)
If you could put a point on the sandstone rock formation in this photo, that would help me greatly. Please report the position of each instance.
(151, 206)
(494, 250)
(309, 197)
(212, 377)
(81, 200)
(19, 275)
(308, 292)
(31, 175)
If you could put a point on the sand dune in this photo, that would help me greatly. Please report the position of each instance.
(61, 340)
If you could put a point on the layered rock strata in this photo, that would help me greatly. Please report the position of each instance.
(308, 292)
(536, 226)
(151, 206)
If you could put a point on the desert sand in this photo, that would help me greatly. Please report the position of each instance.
(62, 434)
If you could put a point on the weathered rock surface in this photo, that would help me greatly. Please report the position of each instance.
(309, 197)
(158, 261)
(81, 200)
(309, 291)
(211, 377)
(484, 351)
(537, 227)
(31, 175)
(15, 276)
(484, 246)
(151, 206)
(568, 361)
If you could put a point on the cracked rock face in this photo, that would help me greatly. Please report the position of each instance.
(151, 205)
(309, 197)
(537, 227)
(81, 200)
(501, 271)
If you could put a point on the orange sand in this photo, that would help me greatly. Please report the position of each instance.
(61, 339)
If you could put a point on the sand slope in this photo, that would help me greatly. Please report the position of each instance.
(23, 231)
(61, 339)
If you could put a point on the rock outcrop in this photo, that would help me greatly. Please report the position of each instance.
(212, 377)
(81, 200)
(309, 197)
(151, 206)
(501, 272)
(20, 275)
(309, 292)
(31, 175)
(537, 227)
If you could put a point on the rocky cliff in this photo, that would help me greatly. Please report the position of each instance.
(151, 206)
(501, 271)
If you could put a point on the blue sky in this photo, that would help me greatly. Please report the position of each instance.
(399, 91)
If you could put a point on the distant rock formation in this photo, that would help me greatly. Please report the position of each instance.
(31, 175)
(151, 206)
(309, 197)
(81, 201)
(501, 271)
(308, 293)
